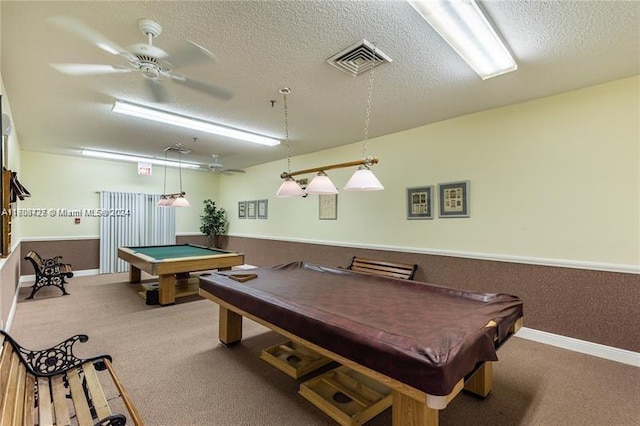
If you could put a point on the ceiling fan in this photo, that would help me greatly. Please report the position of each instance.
(154, 63)
(218, 167)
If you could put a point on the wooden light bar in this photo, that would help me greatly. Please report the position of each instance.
(364, 162)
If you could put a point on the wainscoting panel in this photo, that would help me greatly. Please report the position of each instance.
(81, 254)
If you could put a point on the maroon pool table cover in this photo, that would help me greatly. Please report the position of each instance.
(426, 336)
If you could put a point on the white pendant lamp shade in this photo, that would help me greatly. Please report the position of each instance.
(321, 184)
(363, 180)
(290, 188)
(181, 202)
(164, 202)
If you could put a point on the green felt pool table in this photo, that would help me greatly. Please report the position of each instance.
(168, 260)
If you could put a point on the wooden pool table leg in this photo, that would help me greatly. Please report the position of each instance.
(481, 382)
(229, 327)
(409, 411)
(167, 289)
(134, 274)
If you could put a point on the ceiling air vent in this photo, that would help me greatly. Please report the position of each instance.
(358, 58)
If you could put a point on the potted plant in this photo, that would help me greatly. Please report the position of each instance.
(214, 222)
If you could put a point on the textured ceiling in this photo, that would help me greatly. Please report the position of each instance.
(261, 46)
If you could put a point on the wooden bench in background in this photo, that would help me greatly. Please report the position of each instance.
(54, 387)
(49, 272)
(387, 269)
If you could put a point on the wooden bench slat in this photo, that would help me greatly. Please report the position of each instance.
(381, 273)
(133, 411)
(5, 369)
(29, 400)
(79, 398)
(45, 409)
(18, 409)
(9, 400)
(95, 390)
(59, 392)
(383, 268)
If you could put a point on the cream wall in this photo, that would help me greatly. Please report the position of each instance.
(12, 160)
(61, 182)
(555, 179)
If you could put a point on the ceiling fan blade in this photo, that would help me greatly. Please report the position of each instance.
(89, 69)
(234, 170)
(82, 30)
(203, 87)
(157, 89)
(192, 53)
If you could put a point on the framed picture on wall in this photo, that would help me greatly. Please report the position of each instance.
(251, 209)
(454, 199)
(242, 209)
(328, 206)
(262, 209)
(420, 202)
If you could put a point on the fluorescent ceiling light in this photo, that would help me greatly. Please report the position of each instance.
(167, 117)
(463, 25)
(135, 159)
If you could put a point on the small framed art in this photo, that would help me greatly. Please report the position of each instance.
(251, 209)
(242, 209)
(454, 199)
(262, 209)
(420, 202)
(328, 206)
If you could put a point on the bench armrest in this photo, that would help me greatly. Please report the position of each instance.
(54, 360)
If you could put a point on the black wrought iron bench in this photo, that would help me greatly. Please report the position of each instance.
(54, 387)
(49, 272)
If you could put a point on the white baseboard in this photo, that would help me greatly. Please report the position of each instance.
(582, 346)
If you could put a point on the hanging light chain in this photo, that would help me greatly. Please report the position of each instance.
(285, 91)
(164, 188)
(366, 123)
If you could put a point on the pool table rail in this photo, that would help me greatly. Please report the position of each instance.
(166, 269)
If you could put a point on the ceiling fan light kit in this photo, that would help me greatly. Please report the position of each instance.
(463, 25)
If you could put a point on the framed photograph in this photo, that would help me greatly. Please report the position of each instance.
(262, 209)
(242, 209)
(420, 202)
(328, 206)
(454, 199)
(251, 209)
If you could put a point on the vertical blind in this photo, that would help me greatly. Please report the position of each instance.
(129, 219)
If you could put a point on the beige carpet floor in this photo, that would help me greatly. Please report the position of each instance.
(177, 373)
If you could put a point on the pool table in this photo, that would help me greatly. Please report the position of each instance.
(167, 261)
(425, 342)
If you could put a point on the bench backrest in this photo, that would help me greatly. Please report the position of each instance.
(35, 259)
(388, 269)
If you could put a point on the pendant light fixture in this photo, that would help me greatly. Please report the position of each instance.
(321, 184)
(164, 200)
(290, 187)
(363, 179)
(177, 199)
